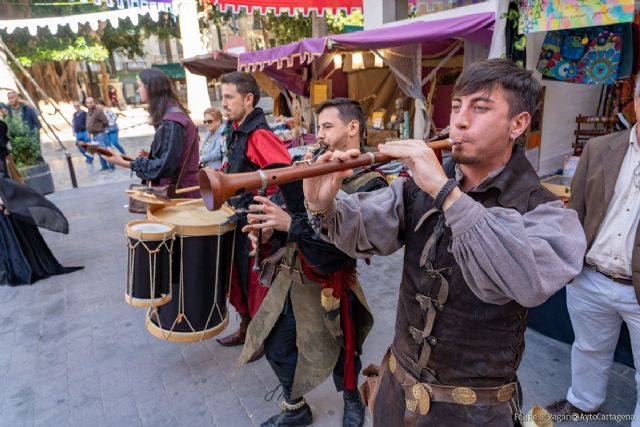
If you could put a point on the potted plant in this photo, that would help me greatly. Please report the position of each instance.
(25, 150)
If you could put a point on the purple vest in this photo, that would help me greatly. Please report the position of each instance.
(190, 149)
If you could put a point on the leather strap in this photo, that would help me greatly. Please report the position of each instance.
(613, 277)
(419, 395)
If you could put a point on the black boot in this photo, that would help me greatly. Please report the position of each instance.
(353, 409)
(292, 414)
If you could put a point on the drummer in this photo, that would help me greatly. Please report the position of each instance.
(251, 145)
(301, 353)
(174, 150)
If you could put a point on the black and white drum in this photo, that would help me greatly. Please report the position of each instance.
(202, 266)
(150, 245)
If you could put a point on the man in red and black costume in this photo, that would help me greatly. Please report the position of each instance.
(315, 317)
(251, 145)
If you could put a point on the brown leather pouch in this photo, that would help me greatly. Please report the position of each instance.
(369, 389)
(270, 267)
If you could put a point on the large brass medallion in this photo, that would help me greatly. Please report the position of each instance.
(423, 398)
(505, 392)
(464, 395)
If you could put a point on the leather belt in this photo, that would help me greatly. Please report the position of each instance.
(616, 278)
(419, 395)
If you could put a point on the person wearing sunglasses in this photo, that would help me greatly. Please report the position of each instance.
(212, 150)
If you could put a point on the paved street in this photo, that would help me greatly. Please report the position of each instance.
(72, 353)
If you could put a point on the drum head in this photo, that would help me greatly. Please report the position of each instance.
(193, 219)
(144, 229)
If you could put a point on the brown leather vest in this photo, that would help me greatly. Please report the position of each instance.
(466, 342)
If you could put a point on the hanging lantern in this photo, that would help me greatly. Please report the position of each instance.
(357, 62)
(337, 61)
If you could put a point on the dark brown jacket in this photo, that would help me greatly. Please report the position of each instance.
(97, 121)
(593, 186)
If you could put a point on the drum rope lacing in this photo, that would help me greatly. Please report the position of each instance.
(181, 308)
(152, 261)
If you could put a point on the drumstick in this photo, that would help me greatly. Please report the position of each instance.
(187, 189)
(189, 202)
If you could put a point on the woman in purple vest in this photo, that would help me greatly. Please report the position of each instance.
(175, 143)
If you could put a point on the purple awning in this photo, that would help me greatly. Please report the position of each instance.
(477, 28)
(304, 51)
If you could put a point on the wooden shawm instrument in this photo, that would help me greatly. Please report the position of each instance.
(95, 149)
(216, 187)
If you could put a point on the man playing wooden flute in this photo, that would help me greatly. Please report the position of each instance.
(482, 242)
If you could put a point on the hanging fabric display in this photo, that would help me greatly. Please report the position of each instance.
(515, 43)
(587, 55)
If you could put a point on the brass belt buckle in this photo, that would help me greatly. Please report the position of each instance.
(421, 399)
(464, 396)
(505, 392)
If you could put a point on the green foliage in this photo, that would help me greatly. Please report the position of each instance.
(166, 27)
(87, 44)
(45, 47)
(287, 29)
(40, 9)
(214, 16)
(337, 22)
(125, 39)
(25, 143)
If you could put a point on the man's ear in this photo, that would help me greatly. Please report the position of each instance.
(248, 99)
(353, 127)
(519, 124)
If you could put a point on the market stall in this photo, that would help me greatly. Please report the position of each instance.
(378, 67)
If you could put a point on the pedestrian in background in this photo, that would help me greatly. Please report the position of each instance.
(97, 124)
(213, 148)
(19, 109)
(28, 115)
(113, 97)
(79, 128)
(112, 129)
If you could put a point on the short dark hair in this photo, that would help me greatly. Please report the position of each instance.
(521, 89)
(244, 82)
(348, 110)
(100, 101)
(160, 94)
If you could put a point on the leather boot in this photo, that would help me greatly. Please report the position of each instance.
(291, 414)
(237, 338)
(257, 355)
(353, 409)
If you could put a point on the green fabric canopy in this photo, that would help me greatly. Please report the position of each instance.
(174, 71)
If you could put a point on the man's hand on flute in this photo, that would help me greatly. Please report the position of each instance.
(423, 164)
(319, 191)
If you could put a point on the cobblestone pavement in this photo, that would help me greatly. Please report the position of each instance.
(72, 353)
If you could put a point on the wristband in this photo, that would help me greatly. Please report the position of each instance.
(446, 189)
(316, 213)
